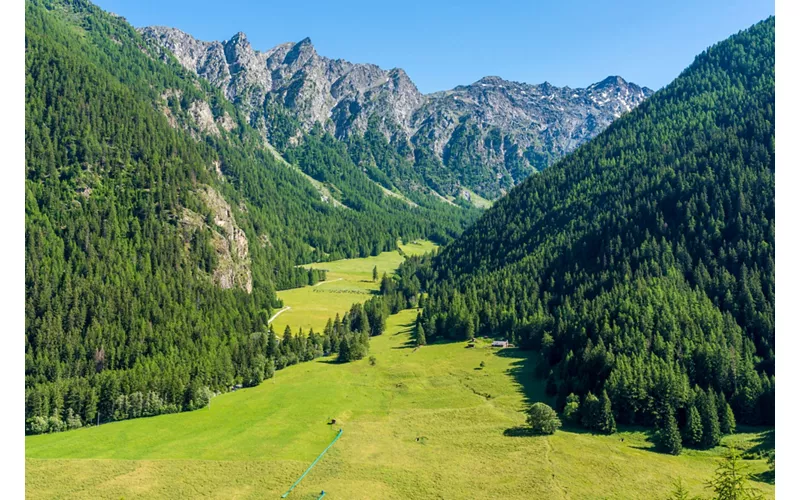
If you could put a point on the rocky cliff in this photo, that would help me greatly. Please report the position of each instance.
(490, 134)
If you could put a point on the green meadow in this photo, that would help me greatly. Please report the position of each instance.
(426, 423)
(442, 421)
(348, 281)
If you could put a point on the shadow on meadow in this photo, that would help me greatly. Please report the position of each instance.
(761, 448)
(523, 373)
(406, 329)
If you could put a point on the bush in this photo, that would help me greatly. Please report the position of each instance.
(55, 424)
(372, 360)
(269, 369)
(36, 425)
(73, 420)
(543, 419)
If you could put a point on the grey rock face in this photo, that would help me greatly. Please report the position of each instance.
(510, 128)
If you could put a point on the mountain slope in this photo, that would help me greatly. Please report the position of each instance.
(159, 224)
(643, 263)
(487, 136)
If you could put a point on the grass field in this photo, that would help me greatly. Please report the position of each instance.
(348, 281)
(419, 424)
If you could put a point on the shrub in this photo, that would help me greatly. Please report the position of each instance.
(36, 425)
(543, 419)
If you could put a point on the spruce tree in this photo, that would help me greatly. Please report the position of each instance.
(668, 436)
(727, 424)
(590, 411)
(710, 419)
(605, 422)
(363, 321)
(344, 351)
(470, 330)
(375, 273)
(693, 431)
(419, 334)
(730, 481)
(679, 491)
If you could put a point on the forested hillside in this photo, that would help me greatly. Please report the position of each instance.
(642, 265)
(159, 224)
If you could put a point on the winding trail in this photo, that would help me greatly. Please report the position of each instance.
(278, 313)
(329, 281)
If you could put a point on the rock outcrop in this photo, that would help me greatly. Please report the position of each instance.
(492, 133)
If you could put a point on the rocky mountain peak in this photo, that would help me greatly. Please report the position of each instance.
(612, 80)
(300, 53)
(536, 123)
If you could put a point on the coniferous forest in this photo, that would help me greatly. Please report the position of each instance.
(160, 223)
(641, 267)
(155, 243)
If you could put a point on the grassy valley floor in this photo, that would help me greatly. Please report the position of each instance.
(425, 423)
(419, 424)
(348, 281)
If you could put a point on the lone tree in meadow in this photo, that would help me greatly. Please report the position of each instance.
(543, 419)
(679, 491)
(375, 273)
(730, 481)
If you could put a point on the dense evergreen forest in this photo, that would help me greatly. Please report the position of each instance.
(155, 241)
(641, 266)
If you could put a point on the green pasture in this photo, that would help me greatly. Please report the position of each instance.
(424, 423)
(348, 281)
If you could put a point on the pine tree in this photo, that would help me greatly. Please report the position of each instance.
(605, 422)
(590, 411)
(679, 491)
(710, 419)
(668, 436)
(730, 481)
(727, 424)
(693, 431)
(375, 273)
(344, 351)
(419, 333)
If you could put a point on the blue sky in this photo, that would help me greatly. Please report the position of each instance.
(444, 44)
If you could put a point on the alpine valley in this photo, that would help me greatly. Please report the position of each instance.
(255, 272)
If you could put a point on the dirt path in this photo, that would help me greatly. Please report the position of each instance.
(278, 313)
(329, 281)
